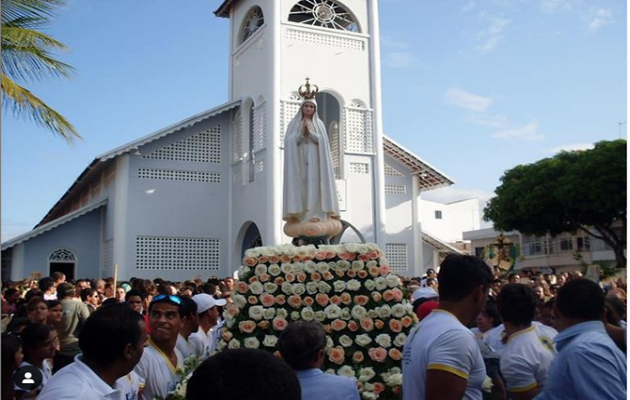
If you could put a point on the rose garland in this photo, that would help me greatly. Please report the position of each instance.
(348, 288)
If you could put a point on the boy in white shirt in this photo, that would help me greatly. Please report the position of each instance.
(190, 325)
(209, 324)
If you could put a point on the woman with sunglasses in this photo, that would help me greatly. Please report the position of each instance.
(39, 343)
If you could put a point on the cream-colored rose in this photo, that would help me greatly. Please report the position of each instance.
(399, 310)
(339, 286)
(256, 313)
(251, 343)
(384, 311)
(322, 267)
(311, 287)
(320, 316)
(344, 265)
(243, 272)
(287, 288)
(363, 340)
(239, 300)
(346, 371)
(394, 380)
(358, 265)
(392, 280)
(332, 311)
(399, 340)
(270, 341)
(270, 287)
(256, 288)
(381, 283)
(351, 247)
(274, 270)
(260, 269)
(309, 267)
(372, 313)
(345, 313)
(365, 374)
(269, 313)
(307, 314)
(369, 284)
(324, 287)
(234, 344)
(353, 285)
(345, 341)
(297, 268)
(295, 315)
(299, 288)
(282, 313)
(285, 268)
(359, 312)
(383, 340)
(329, 342)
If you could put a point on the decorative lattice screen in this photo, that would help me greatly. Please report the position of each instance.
(237, 138)
(260, 123)
(333, 133)
(260, 166)
(62, 255)
(288, 109)
(390, 171)
(201, 147)
(108, 253)
(396, 254)
(325, 39)
(359, 168)
(358, 124)
(177, 253)
(174, 175)
(395, 189)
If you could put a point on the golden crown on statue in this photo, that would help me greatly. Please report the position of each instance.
(306, 92)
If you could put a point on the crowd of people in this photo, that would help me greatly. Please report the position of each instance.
(529, 334)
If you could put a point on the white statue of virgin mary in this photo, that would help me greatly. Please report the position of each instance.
(309, 181)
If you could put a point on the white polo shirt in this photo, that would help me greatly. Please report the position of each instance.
(494, 338)
(129, 386)
(187, 347)
(526, 358)
(205, 343)
(78, 381)
(157, 375)
(441, 342)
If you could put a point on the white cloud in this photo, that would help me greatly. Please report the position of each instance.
(460, 98)
(493, 121)
(399, 59)
(552, 6)
(451, 193)
(599, 18)
(468, 6)
(571, 147)
(526, 132)
(492, 35)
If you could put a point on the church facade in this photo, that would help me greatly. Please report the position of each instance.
(188, 200)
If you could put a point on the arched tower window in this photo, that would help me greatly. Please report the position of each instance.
(324, 13)
(252, 22)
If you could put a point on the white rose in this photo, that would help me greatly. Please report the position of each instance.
(285, 268)
(359, 312)
(320, 316)
(373, 314)
(363, 340)
(369, 284)
(392, 280)
(330, 371)
(324, 287)
(322, 267)
(270, 287)
(287, 288)
(351, 247)
(295, 315)
(332, 311)
(298, 288)
(345, 313)
(353, 285)
(369, 395)
(368, 387)
(227, 316)
(329, 342)
(372, 246)
(230, 322)
(260, 269)
(309, 267)
(362, 249)
(344, 265)
(281, 312)
(399, 310)
(394, 380)
(274, 270)
(234, 344)
(383, 340)
(307, 314)
(256, 287)
(311, 287)
(385, 311)
(256, 313)
(239, 300)
(370, 264)
(345, 341)
(297, 268)
(400, 339)
(243, 271)
(270, 341)
(252, 252)
(346, 371)
(221, 345)
(251, 343)
(339, 286)
(357, 265)
(381, 283)
(269, 313)
(268, 251)
(365, 374)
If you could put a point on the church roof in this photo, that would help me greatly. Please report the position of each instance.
(53, 224)
(224, 9)
(429, 177)
(439, 244)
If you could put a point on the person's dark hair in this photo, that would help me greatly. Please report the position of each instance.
(52, 303)
(209, 288)
(168, 299)
(491, 311)
(109, 302)
(17, 324)
(57, 276)
(460, 275)
(35, 292)
(188, 307)
(615, 310)
(65, 289)
(10, 345)
(430, 281)
(33, 335)
(430, 270)
(517, 304)
(32, 303)
(581, 299)
(45, 284)
(85, 293)
(134, 292)
(300, 342)
(268, 377)
(108, 330)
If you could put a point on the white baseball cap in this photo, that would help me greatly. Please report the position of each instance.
(424, 293)
(205, 302)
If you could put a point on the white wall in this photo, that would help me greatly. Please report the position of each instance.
(457, 217)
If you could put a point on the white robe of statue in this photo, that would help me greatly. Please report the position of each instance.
(309, 180)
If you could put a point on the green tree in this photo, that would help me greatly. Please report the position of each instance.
(27, 56)
(577, 190)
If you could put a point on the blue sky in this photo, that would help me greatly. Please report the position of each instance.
(472, 87)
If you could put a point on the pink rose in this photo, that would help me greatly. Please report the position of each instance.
(377, 354)
(395, 325)
(308, 301)
(316, 277)
(285, 258)
(367, 324)
(250, 261)
(388, 295)
(336, 355)
(320, 255)
(345, 298)
(379, 324)
(264, 277)
(241, 287)
(267, 300)
(295, 301)
(322, 299)
(398, 294)
(384, 269)
(262, 259)
(289, 277)
(352, 325)
(362, 274)
(351, 273)
(358, 357)
(281, 299)
(301, 277)
(373, 255)
(336, 300)
(338, 325)
(279, 323)
(406, 321)
(327, 275)
(279, 281)
(395, 354)
(274, 259)
(247, 326)
(252, 300)
(376, 296)
(373, 271)
(361, 300)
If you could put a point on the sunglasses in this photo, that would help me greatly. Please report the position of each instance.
(175, 299)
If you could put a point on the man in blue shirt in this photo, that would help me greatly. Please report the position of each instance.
(588, 365)
(302, 345)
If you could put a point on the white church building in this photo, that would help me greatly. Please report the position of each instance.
(189, 199)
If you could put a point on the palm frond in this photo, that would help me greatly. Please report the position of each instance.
(39, 9)
(23, 102)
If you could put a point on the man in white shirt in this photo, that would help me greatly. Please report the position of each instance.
(190, 324)
(528, 350)
(112, 343)
(207, 335)
(441, 358)
(157, 368)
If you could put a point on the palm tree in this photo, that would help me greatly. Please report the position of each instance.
(27, 57)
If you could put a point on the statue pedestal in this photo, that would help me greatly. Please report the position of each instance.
(316, 230)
